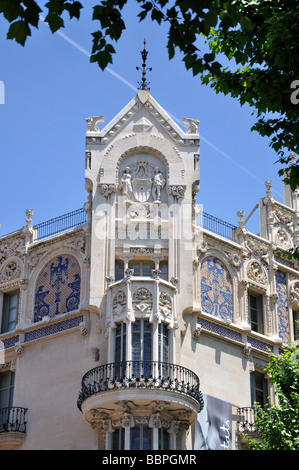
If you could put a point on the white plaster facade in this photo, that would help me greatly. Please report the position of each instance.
(142, 300)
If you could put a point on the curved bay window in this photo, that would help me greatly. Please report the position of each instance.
(141, 352)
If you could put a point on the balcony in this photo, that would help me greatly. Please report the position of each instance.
(246, 424)
(141, 383)
(12, 427)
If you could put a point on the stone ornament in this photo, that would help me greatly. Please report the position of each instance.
(192, 125)
(165, 304)
(282, 239)
(177, 191)
(294, 293)
(11, 270)
(255, 272)
(142, 300)
(107, 189)
(119, 302)
(142, 182)
(92, 123)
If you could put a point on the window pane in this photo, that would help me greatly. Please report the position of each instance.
(136, 266)
(6, 389)
(141, 438)
(147, 267)
(119, 270)
(163, 439)
(258, 388)
(120, 342)
(10, 311)
(255, 312)
(146, 438)
(118, 439)
(163, 352)
(164, 270)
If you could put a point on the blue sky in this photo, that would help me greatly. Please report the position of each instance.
(51, 87)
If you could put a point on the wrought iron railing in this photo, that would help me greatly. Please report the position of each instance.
(78, 217)
(60, 224)
(142, 375)
(247, 420)
(218, 226)
(13, 419)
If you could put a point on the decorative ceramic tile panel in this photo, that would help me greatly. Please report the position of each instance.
(53, 329)
(220, 330)
(58, 288)
(216, 289)
(282, 306)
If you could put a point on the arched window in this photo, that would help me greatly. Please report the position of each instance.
(216, 289)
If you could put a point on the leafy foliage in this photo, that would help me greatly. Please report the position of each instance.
(245, 48)
(279, 424)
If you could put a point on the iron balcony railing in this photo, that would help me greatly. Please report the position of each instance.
(60, 224)
(13, 419)
(218, 226)
(247, 420)
(142, 375)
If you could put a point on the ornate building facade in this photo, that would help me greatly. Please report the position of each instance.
(140, 322)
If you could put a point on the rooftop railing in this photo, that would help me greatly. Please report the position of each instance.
(79, 217)
(60, 224)
(215, 225)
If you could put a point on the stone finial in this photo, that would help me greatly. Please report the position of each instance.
(29, 214)
(241, 222)
(268, 185)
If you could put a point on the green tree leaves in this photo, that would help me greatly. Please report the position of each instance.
(278, 424)
(252, 50)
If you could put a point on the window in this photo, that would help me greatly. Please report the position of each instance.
(120, 350)
(10, 311)
(163, 346)
(118, 439)
(259, 388)
(119, 270)
(163, 266)
(142, 268)
(255, 306)
(141, 347)
(7, 382)
(163, 439)
(141, 438)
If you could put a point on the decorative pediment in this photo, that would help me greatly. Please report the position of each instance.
(157, 116)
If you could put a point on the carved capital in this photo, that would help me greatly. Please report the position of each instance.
(176, 191)
(107, 189)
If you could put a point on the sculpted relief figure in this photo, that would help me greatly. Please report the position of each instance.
(140, 181)
(126, 183)
(192, 125)
(158, 184)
